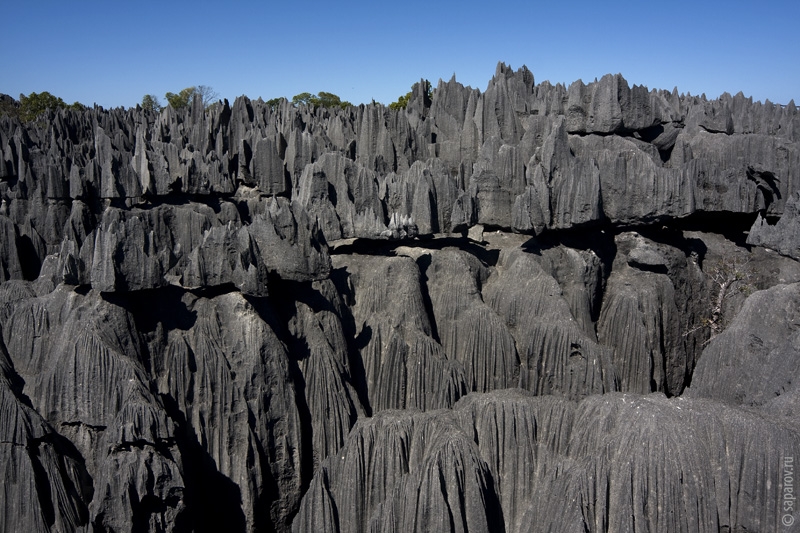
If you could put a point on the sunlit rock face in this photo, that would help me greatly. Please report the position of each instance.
(527, 308)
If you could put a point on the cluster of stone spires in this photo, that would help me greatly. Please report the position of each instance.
(180, 341)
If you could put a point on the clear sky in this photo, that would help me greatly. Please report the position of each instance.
(113, 52)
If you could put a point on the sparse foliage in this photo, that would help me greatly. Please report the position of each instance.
(728, 278)
(151, 103)
(273, 103)
(207, 94)
(402, 102)
(8, 106)
(428, 89)
(185, 97)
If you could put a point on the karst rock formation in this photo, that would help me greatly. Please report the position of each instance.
(533, 308)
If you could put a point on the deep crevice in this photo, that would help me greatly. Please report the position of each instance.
(423, 263)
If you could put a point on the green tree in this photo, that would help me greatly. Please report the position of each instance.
(8, 106)
(273, 103)
(402, 102)
(331, 100)
(30, 107)
(182, 99)
(323, 99)
(151, 103)
(185, 97)
(302, 98)
(35, 104)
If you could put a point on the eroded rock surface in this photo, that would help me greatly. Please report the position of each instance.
(528, 308)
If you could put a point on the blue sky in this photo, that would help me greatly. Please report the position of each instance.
(112, 53)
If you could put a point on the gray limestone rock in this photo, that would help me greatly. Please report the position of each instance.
(581, 275)
(756, 358)
(46, 485)
(556, 355)
(342, 197)
(411, 472)
(633, 183)
(290, 244)
(403, 363)
(471, 331)
(180, 350)
(268, 171)
(641, 314)
(611, 106)
(573, 185)
(117, 421)
(679, 449)
(190, 247)
(529, 463)
(783, 236)
(320, 345)
(10, 266)
(228, 378)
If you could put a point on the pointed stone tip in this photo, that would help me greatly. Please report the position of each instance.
(502, 68)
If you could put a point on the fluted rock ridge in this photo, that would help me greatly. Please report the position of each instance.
(526, 308)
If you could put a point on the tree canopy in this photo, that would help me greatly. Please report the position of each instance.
(151, 103)
(185, 97)
(182, 99)
(273, 103)
(322, 99)
(33, 105)
(402, 102)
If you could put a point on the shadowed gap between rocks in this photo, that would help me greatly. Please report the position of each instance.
(424, 262)
(213, 501)
(732, 226)
(281, 297)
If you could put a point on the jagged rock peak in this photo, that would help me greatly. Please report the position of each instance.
(524, 308)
